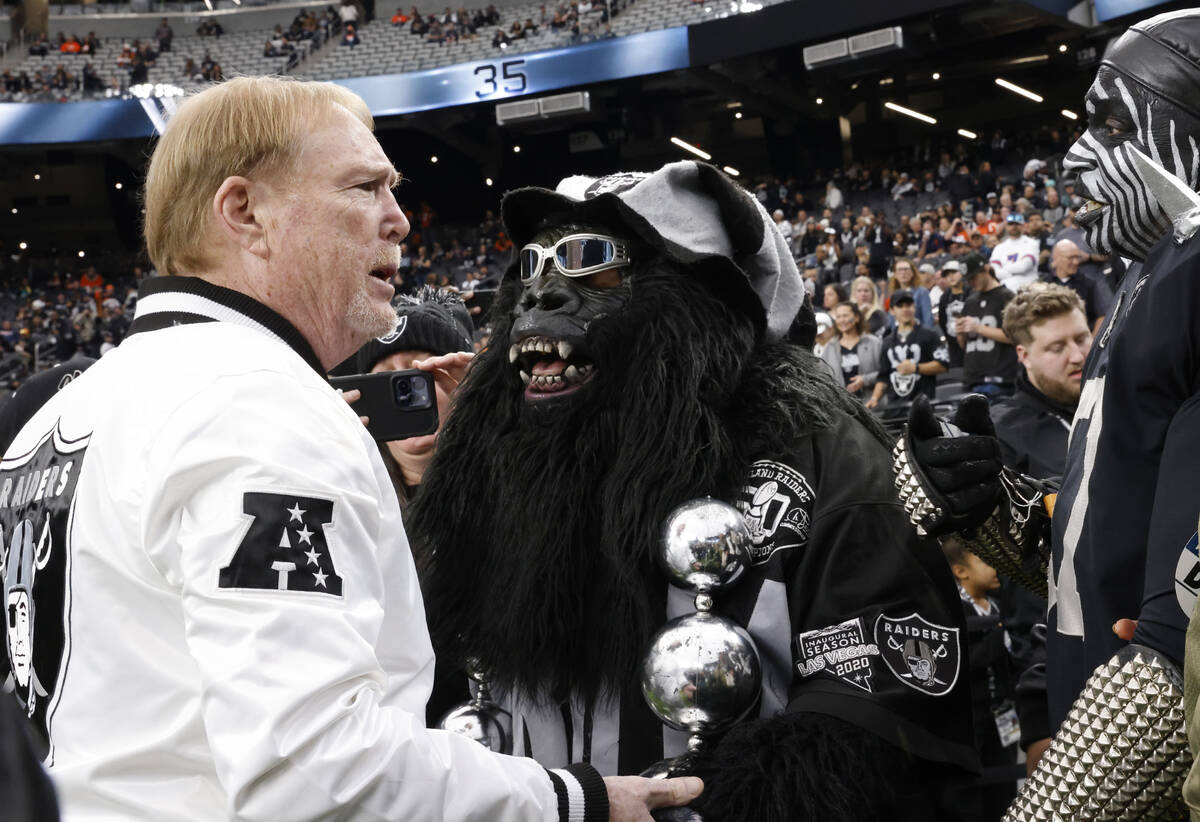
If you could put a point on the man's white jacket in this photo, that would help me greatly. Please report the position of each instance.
(220, 616)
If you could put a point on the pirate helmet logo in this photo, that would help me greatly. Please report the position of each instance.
(921, 654)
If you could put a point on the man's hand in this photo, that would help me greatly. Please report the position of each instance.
(1034, 754)
(631, 798)
(906, 367)
(855, 385)
(871, 402)
(1124, 628)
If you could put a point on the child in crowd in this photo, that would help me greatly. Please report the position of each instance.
(993, 679)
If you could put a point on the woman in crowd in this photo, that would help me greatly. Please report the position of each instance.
(854, 352)
(866, 298)
(833, 294)
(904, 275)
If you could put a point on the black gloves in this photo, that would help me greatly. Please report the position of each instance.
(957, 465)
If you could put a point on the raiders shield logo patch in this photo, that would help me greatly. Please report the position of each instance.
(842, 651)
(924, 656)
(776, 502)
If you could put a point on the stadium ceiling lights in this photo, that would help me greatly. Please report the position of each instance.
(487, 181)
(737, 115)
(82, 254)
(908, 112)
(23, 246)
(1070, 115)
(516, 149)
(937, 75)
(1015, 89)
(699, 152)
(970, 135)
(731, 171)
(118, 186)
(433, 159)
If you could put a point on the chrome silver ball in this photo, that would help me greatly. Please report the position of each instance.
(702, 674)
(705, 545)
(489, 725)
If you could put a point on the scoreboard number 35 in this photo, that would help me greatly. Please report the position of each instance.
(511, 78)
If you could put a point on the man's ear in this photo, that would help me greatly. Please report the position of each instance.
(236, 217)
(1022, 354)
(961, 572)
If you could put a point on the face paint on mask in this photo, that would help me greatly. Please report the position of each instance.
(1126, 108)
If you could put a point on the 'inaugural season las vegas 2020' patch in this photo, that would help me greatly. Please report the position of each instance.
(924, 656)
(843, 651)
(776, 503)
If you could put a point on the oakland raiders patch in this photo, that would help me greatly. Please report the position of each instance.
(37, 495)
(924, 656)
(1187, 575)
(843, 651)
(285, 547)
(777, 503)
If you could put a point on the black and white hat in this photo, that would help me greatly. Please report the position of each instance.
(691, 213)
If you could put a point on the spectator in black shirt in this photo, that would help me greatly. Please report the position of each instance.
(1048, 326)
(989, 359)
(912, 357)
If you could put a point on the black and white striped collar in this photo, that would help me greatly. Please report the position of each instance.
(167, 301)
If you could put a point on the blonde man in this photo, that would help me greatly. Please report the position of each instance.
(1047, 324)
(220, 616)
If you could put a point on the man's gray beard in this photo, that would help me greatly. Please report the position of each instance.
(367, 320)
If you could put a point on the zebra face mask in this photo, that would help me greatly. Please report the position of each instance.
(1145, 94)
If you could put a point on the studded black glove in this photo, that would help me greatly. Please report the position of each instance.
(948, 473)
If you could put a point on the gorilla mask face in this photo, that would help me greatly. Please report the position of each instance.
(549, 337)
(1121, 215)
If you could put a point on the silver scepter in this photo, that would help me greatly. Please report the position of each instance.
(702, 672)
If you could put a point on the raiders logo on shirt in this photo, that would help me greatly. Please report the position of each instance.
(776, 502)
(924, 656)
(37, 492)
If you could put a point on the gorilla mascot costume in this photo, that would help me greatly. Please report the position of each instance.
(645, 354)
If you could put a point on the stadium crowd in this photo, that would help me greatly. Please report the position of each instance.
(901, 229)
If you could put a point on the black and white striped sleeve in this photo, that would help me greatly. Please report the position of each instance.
(582, 796)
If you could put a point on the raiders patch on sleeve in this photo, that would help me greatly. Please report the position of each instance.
(285, 547)
(924, 656)
(843, 651)
(776, 502)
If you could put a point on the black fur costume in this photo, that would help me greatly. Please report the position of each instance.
(544, 517)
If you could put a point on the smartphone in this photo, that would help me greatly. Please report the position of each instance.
(399, 404)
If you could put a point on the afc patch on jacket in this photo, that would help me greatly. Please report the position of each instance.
(284, 548)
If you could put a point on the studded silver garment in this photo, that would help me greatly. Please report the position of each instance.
(1122, 753)
(922, 512)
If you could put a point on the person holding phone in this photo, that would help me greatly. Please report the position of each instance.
(432, 334)
(225, 566)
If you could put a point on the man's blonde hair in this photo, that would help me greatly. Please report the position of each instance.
(1036, 303)
(248, 127)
